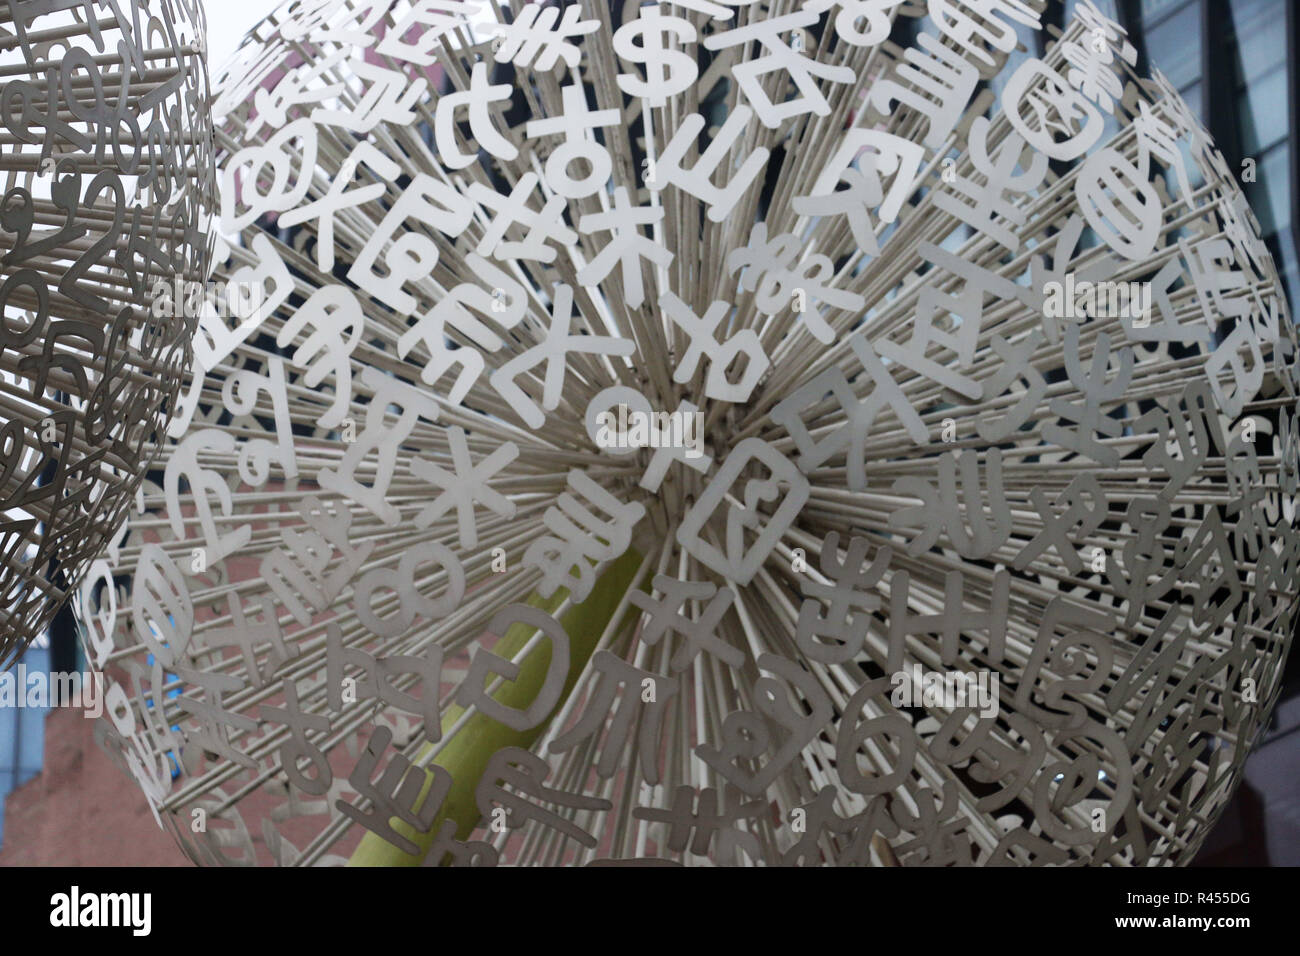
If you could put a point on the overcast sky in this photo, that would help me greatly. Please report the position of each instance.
(228, 21)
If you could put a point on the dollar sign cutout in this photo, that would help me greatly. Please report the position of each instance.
(667, 71)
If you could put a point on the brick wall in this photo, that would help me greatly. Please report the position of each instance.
(81, 810)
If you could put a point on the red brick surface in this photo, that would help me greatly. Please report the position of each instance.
(81, 810)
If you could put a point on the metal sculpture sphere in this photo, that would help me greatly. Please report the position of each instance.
(786, 433)
(108, 186)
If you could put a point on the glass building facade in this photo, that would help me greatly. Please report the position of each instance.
(1234, 61)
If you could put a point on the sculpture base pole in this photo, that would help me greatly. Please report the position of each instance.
(465, 755)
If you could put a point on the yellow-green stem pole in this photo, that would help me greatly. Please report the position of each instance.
(465, 755)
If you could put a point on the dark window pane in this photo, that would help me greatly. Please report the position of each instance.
(1290, 270)
(1105, 7)
(1174, 46)
(1260, 35)
(1270, 194)
(1262, 111)
(1153, 10)
(1192, 94)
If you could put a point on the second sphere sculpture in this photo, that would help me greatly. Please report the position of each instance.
(107, 192)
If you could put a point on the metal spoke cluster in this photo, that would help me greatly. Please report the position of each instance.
(996, 388)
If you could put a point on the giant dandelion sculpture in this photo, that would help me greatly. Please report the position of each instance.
(106, 175)
(786, 432)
